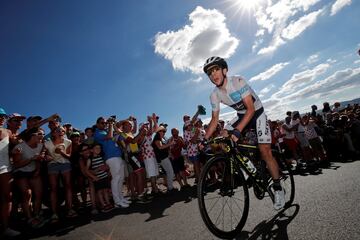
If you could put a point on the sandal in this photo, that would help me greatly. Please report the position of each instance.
(71, 214)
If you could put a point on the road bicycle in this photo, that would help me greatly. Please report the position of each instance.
(223, 188)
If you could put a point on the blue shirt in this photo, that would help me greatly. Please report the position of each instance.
(109, 146)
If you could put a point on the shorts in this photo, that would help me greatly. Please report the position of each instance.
(194, 159)
(102, 184)
(291, 144)
(21, 174)
(178, 164)
(151, 167)
(54, 168)
(258, 122)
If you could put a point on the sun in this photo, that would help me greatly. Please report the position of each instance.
(245, 5)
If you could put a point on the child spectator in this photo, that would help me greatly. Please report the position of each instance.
(98, 172)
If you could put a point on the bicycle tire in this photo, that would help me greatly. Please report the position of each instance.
(288, 184)
(227, 190)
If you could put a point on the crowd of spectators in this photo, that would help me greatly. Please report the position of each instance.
(115, 163)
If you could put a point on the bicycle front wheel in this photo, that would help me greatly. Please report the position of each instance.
(223, 197)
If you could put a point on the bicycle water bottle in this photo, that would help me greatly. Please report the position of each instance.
(249, 165)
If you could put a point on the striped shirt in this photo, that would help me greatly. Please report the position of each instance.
(95, 164)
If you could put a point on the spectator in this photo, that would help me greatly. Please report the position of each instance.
(132, 156)
(313, 138)
(326, 109)
(78, 180)
(161, 149)
(177, 160)
(289, 137)
(336, 107)
(98, 172)
(58, 154)
(89, 136)
(112, 155)
(26, 159)
(5, 179)
(191, 137)
(85, 153)
(148, 153)
(300, 136)
(313, 110)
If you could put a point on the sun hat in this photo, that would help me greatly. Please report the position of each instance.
(16, 115)
(161, 128)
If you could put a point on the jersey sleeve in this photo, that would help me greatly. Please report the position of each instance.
(215, 102)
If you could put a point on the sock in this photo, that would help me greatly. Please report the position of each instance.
(277, 185)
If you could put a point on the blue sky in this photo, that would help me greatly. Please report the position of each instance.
(85, 59)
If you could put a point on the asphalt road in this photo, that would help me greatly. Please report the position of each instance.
(326, 206)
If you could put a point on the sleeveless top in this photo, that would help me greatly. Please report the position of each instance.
(5, 165)
(58, 158)
(27, 153)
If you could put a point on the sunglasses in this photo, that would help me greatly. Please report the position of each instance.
(211, 70)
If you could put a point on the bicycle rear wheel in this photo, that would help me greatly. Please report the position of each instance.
(223, 197)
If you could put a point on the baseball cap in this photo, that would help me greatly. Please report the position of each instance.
(2, 111)
(39, 118)
(16, 115)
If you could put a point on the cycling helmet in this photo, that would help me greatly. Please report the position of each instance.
(214, 61)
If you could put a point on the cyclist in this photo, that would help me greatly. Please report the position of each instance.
(236, 93)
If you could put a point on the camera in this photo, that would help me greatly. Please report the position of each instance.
(112, 118)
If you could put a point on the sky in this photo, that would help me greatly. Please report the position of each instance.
(85, 59)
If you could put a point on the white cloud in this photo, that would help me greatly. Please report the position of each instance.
(357, 62)
(273, 18)
(206, 35)
(195, 80)
(294, 29)
(313, 59)
(269, 72)
(336, 83)
(300, 79)
(267, 89)
(338, 5)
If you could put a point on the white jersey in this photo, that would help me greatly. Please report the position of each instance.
(235, 91)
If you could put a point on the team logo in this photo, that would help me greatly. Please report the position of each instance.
(260, 133)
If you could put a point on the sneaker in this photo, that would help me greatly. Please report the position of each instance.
(279, 199)
(10, 233)
(121, 204)
(94, 211)
(124, 200)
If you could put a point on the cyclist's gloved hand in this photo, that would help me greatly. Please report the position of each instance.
(236, 135)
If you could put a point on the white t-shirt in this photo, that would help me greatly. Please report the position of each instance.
(58, 158)
(5, 165)
(288, 134)
(236, 89)
(27, 153)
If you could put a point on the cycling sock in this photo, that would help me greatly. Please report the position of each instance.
(277, 185)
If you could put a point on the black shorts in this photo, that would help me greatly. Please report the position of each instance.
(178, 164)
(101, 184)
(21, 174)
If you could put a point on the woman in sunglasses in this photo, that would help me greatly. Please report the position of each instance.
(27, 156)
(59, 151)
